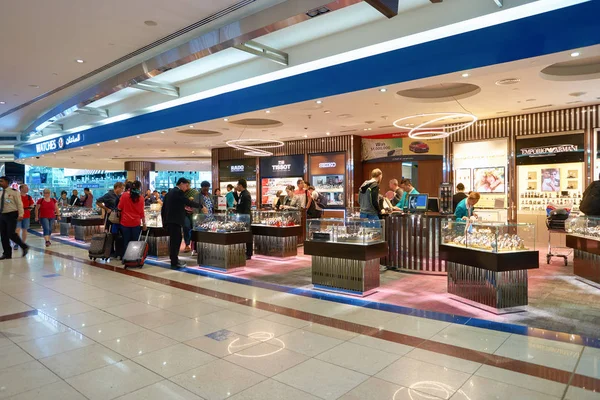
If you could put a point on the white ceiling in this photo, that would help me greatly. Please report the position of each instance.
(365, 112)
(40, 41)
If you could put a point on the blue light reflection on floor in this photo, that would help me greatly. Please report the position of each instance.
(359, 302)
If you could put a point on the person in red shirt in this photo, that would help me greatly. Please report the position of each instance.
(28, 205)
(131, 205)
(46, 212)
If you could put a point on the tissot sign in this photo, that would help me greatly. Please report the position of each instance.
(58, 143)
(282, 167)
(550, 149)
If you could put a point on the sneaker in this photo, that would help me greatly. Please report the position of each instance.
(187, 249)
(16, 247)
(48, 243)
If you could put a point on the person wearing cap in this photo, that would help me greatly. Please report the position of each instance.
(174, 215)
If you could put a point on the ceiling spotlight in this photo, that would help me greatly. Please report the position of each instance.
(328, 133)
(98, 144)
(319, 101)
(193, 152)
(268, 111)
(116, 141)
(138, 136)
(465, 75)
(2, 102)
(34, 86)
(575, 54)
(305, 136)
(79, 61)
(162, 131)
(226, 119)
(150, 23)
(383, 90)
(191, 126)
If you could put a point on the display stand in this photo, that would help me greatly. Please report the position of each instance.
(495, 282)
(347, 268)
(586, 259)
(276, 241)
(158, 242)
(223, 252)
(86, 228)
(66, 228)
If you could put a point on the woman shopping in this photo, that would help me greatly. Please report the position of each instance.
(131, 205)
(46, 211)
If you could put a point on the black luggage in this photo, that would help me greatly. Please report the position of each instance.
(101, 246)
(136, 252)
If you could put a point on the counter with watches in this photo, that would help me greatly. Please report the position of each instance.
(583, 236)
(487, 262)
(276, 233)
(221, 240)
(345, 254)
(158, 237)
(86, 222)
(65, 226)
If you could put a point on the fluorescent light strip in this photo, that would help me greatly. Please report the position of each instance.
(492, 19)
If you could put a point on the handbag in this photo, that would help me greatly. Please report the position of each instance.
(115, 216)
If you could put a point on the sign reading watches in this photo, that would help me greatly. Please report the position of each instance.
(59, 143)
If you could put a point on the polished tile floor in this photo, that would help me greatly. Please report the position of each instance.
(104, 333)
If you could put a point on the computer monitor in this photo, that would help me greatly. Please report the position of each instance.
(433, 204)
(417, 202)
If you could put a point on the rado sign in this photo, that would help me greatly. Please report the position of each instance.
(550, 149)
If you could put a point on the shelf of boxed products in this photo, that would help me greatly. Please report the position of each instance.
(539, 201)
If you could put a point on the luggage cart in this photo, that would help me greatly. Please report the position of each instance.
(556, 224)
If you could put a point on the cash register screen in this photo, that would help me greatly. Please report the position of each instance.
(418, 202)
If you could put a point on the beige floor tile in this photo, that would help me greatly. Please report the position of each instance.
(261, 326)
(109, 301)
(174, 360)
(164, 390)
(156, 319)
(188, 329)
(383, 345)
(575, 393)
(271, 390)
(76, 362)
(55, 344)
(266, 359)
(541, 351)
(307, 343)
(525, 381)
(458, 364)
(329, 331)
(89, 318)
(139, 343)
(58, 390)
(374, 388)
(482, 388)
(224, 319)
(228, 343)
(131, 309)
(11, 354)
(193, 309)
(111, 330)
(24, 377)
(285, 320)
(359, 358)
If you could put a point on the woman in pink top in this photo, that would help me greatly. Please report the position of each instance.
(46, 211)
(131, 205)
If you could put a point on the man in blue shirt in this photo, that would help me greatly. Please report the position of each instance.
(406, 185)
(230, 197)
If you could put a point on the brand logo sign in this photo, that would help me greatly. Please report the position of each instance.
(549, 150)
(327, 165)
(60, 143)
(282, 166)
(237, 168)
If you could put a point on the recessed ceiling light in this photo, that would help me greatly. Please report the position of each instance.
(383, 90)
(150, 23)
(191, 126)
(328, 133)
(34, 86)
(327, 111)
(319, 101)
(226, 119)
(575, 54)
(193, 152)
(2, 102)
(162, 131)
(268, 111)
(98, 144)
(79, 61)
(138, 136)
(305, 136)
(116, 141)
(465, 75)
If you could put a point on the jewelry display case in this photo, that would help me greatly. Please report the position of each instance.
(221, 240)
(158, 237)
(276, 233)
(583, 236)
(86, 222)
(65, 226)
(345, 254)
(487, 262)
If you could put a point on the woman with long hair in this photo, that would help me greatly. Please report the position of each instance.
(131, 205)
(46, 211)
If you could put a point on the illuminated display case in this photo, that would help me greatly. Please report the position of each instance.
(348, 230)
(153, 218)
(278, 219)
(494, 237)
(276, 233)
(583, 225)
(583, 236)
(221, 223)
(87, 223)
(86, 213)
(328, 176)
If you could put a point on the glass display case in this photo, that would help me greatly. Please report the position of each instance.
(278, 219)
(68, 211)
(345, 230)
(153, 218)
(86, 213)
(583, 225)
(493, 237)
(221, 223)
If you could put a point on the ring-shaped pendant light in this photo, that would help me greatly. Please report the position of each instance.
(255, 147)
(422, 131)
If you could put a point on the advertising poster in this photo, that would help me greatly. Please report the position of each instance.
(399, 147)
(489, 180)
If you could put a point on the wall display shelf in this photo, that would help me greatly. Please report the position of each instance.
(345, 254)
(328, 176)
(221, 240)
(276, 233)
(487, 263)
(583, 236)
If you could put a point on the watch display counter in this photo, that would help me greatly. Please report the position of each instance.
(221, 240)
(65, 226)
(158, 237)
(276, 233)
(86, 222)
(487, 263)
(345, 254)
(583, 236)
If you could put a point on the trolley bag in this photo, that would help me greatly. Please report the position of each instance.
(101, 245)
(136, 252)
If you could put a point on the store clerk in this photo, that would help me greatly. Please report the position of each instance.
(464, 209)
(406, 185)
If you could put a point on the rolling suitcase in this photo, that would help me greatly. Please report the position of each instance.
(101, 246)
(136, 252)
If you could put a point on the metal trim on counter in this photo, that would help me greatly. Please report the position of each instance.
(586, 259)
(414, 242)
(347, 276)
(223, 258)
(276, 246)
(66, 229)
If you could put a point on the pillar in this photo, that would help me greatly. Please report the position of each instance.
(140, 170)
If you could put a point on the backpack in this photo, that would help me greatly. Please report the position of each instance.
(590, 202)
(321, 201)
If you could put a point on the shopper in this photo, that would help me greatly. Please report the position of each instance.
(109, 203)
(47, 212)
(290, 201)
(193, 195)
(131, 205)
(301, 192)
(157, 199)
(590, 201)
(244, 206)
(74, 200)
(397, 190)
(163, 194)
(313, 210)
(28, 205)
(459, 196)
(174, 215)
(87, 200)
(407, 186)
(368, 196)
(217, 192)
(63, 200)
(230, 197)
(277, 200)
(148, 198)
(464, 209)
